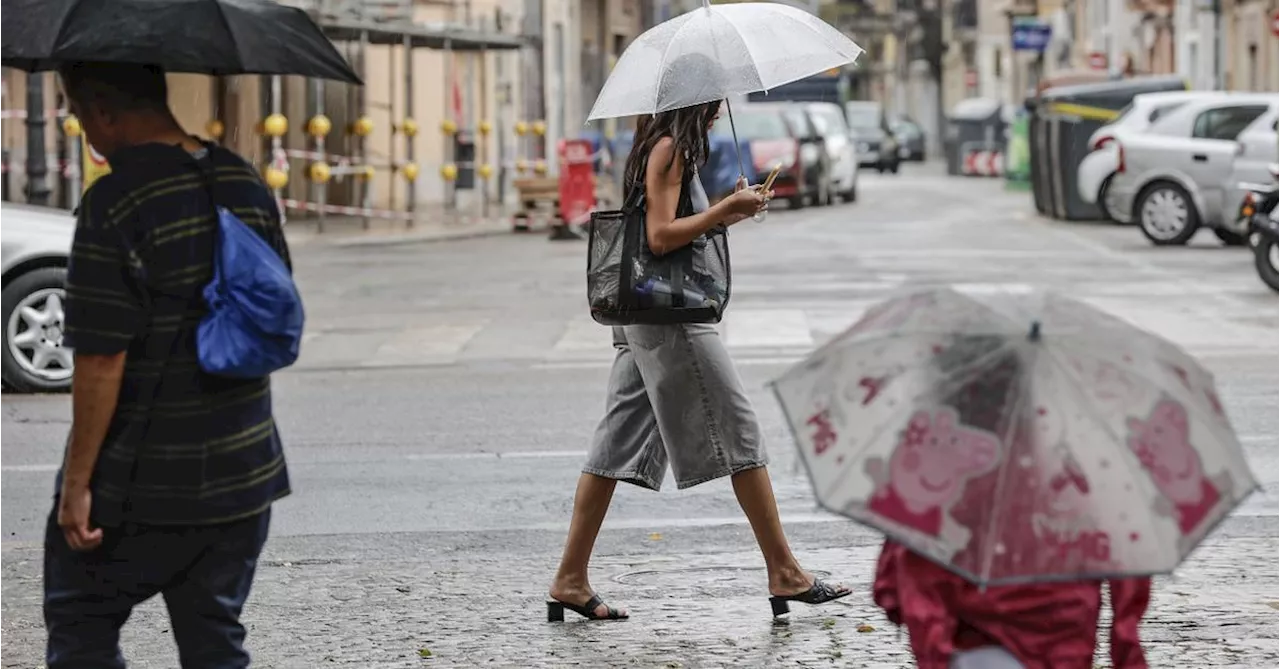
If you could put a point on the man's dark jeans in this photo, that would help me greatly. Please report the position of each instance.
(204, 573)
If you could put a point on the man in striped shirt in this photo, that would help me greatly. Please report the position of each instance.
(169, 473)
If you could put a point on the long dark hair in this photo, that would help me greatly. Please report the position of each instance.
(688, 127)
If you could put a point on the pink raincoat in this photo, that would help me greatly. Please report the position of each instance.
(1045, 626)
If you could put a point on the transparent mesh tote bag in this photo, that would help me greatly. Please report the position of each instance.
(628, 285)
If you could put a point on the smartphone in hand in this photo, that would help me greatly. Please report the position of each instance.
(768, 182)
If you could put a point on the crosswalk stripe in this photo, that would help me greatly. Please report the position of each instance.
(425, 344)
(583, 334)
(751, 330)
(766, 328)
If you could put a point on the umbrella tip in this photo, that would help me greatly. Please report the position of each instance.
(1034, 334)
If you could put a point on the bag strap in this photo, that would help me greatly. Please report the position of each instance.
(147, 295)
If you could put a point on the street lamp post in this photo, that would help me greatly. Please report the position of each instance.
(37, 161)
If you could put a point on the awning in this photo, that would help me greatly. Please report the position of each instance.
(458, 39)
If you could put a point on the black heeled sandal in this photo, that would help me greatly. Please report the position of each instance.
(820, 592)
(555, 610)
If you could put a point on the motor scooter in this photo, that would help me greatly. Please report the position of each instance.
(1258, 216)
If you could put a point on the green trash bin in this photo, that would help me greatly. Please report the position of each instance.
(1017, 154)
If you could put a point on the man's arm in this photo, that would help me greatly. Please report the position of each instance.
(103, 314)
(95, 389)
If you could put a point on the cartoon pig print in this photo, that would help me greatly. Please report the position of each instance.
(933, 459)
(1162, 446)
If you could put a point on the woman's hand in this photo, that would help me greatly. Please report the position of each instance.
(745, 202)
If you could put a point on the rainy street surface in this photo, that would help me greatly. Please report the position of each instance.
(448, 391)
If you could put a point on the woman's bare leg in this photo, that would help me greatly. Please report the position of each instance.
(755, 496)
(590, 504)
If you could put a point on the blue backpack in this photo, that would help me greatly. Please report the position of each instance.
(254, 325)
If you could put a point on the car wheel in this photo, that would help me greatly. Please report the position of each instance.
(1101, 202)
(1229, 238)
(33, 358)
(1107, 205)
(893, 169)
(1166, 214)
(1264, 258)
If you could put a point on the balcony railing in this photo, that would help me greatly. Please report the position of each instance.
(378, 11)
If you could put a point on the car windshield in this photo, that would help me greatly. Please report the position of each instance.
(753, 125)
(904, 127)
(828, 121)
(863, 118)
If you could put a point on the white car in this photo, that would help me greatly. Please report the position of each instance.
(35, 245)
(841, 152)
(1183, 172)
(1093, 177)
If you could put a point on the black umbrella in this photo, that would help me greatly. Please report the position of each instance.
(218, 37)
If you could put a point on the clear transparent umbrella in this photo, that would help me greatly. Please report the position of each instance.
(715, 52)
(1017, 437)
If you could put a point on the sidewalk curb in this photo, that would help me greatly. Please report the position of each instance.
(339, 240)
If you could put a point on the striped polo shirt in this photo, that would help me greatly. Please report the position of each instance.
(184, 447)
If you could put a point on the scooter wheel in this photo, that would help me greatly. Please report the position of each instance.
(1264, 259)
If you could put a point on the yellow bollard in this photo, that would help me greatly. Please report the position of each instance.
(276, 179)
(484, 127)
(449, 172)
(410, 171)
(319, 125)
(275, 125)
(318, 172)
(409, 127)
(214, 129)
(539, 128)
(540, 167)
(521, 128)
(522, 166)
(362, 126)
(71, 126)
(485, 171)
(448, 127)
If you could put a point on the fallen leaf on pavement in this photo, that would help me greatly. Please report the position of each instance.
(1274, 604)
(829, 623)
(866, 628)
(656, 536)
(424, 652)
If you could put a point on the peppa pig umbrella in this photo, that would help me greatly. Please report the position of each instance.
(1016, 437)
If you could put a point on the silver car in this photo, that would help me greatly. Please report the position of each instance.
(35, 244)
(1183, 172)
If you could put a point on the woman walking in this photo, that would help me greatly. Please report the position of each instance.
(674, 397)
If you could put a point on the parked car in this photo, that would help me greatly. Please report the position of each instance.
(771, 144)
(910, 137)
(35, 244)
(1093, 177)
(842, 156)
(1182, 174)
(813, 179)
(876, 145)
(813, 155)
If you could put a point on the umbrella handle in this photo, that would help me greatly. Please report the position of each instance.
(737, 148)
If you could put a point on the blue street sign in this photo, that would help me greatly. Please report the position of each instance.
(1031, 35)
